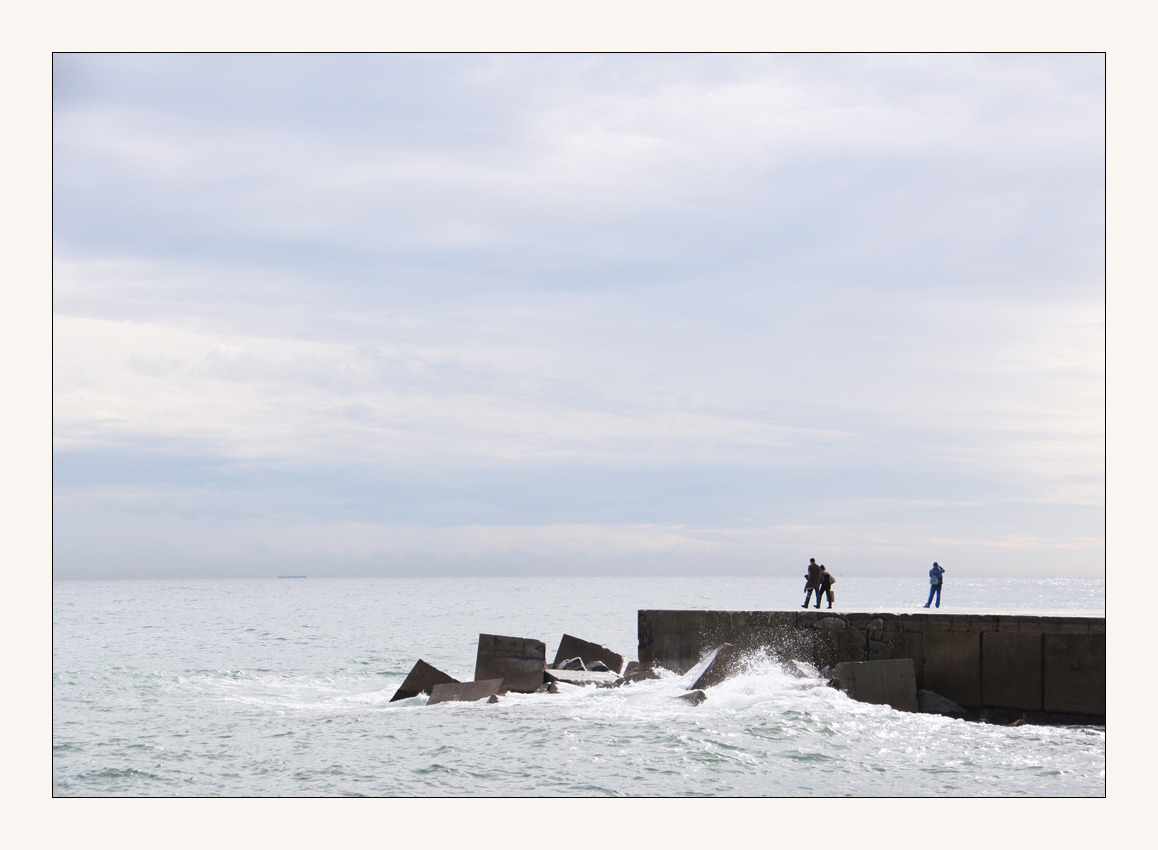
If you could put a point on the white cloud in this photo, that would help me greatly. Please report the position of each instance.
(875, 276)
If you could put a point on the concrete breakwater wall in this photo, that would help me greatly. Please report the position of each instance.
(1026, 661)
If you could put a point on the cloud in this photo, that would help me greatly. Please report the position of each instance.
(736, 290)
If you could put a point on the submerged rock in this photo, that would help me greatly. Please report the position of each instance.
(694, 697)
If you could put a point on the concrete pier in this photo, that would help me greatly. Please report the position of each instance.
(1048, 662)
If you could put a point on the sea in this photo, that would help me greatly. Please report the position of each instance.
(281, 687)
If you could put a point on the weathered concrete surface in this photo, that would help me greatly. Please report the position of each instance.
(519, 662)
(421, 680)
(677, 640)
(1046, 663)
(1075, 673)
(633, 672)
(1011, 669)
(573, 647)
(892, 682)
(583, 677)
(953, 665)
(465, 691)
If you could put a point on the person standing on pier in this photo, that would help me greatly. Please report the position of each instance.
(814, 574)
(935, 582)
(826, 582)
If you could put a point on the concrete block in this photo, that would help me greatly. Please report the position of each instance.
(583, 677)
(562, 688)
(573, 647)
(1011, 664)
(858, 637)
(694, 697)
(931, 703)
(676, 640)
(723, 662)
(671, 639)
(946, 649)
(953, 665)
(805, 619)
(519, 662)
(881, 634)
(569, 664)
(645, 634)
(773, 631)
(892, 682)
(638, 673)
(692, 646)
(1075, 673)
(667, 651)
(835, 639)
(421, 680)
(912, 645)
(466, 691)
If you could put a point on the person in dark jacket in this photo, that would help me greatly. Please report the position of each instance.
(935, 582)
(813, 576)
(826, 582)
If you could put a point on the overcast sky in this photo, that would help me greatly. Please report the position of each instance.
(382, 315)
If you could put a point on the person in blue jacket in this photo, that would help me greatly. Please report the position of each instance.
(935, 582)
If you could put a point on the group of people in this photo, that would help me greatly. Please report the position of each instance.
(818, 580)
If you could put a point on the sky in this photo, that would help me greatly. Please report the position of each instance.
(692, 314)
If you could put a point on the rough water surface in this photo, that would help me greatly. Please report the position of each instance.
(282, 688)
